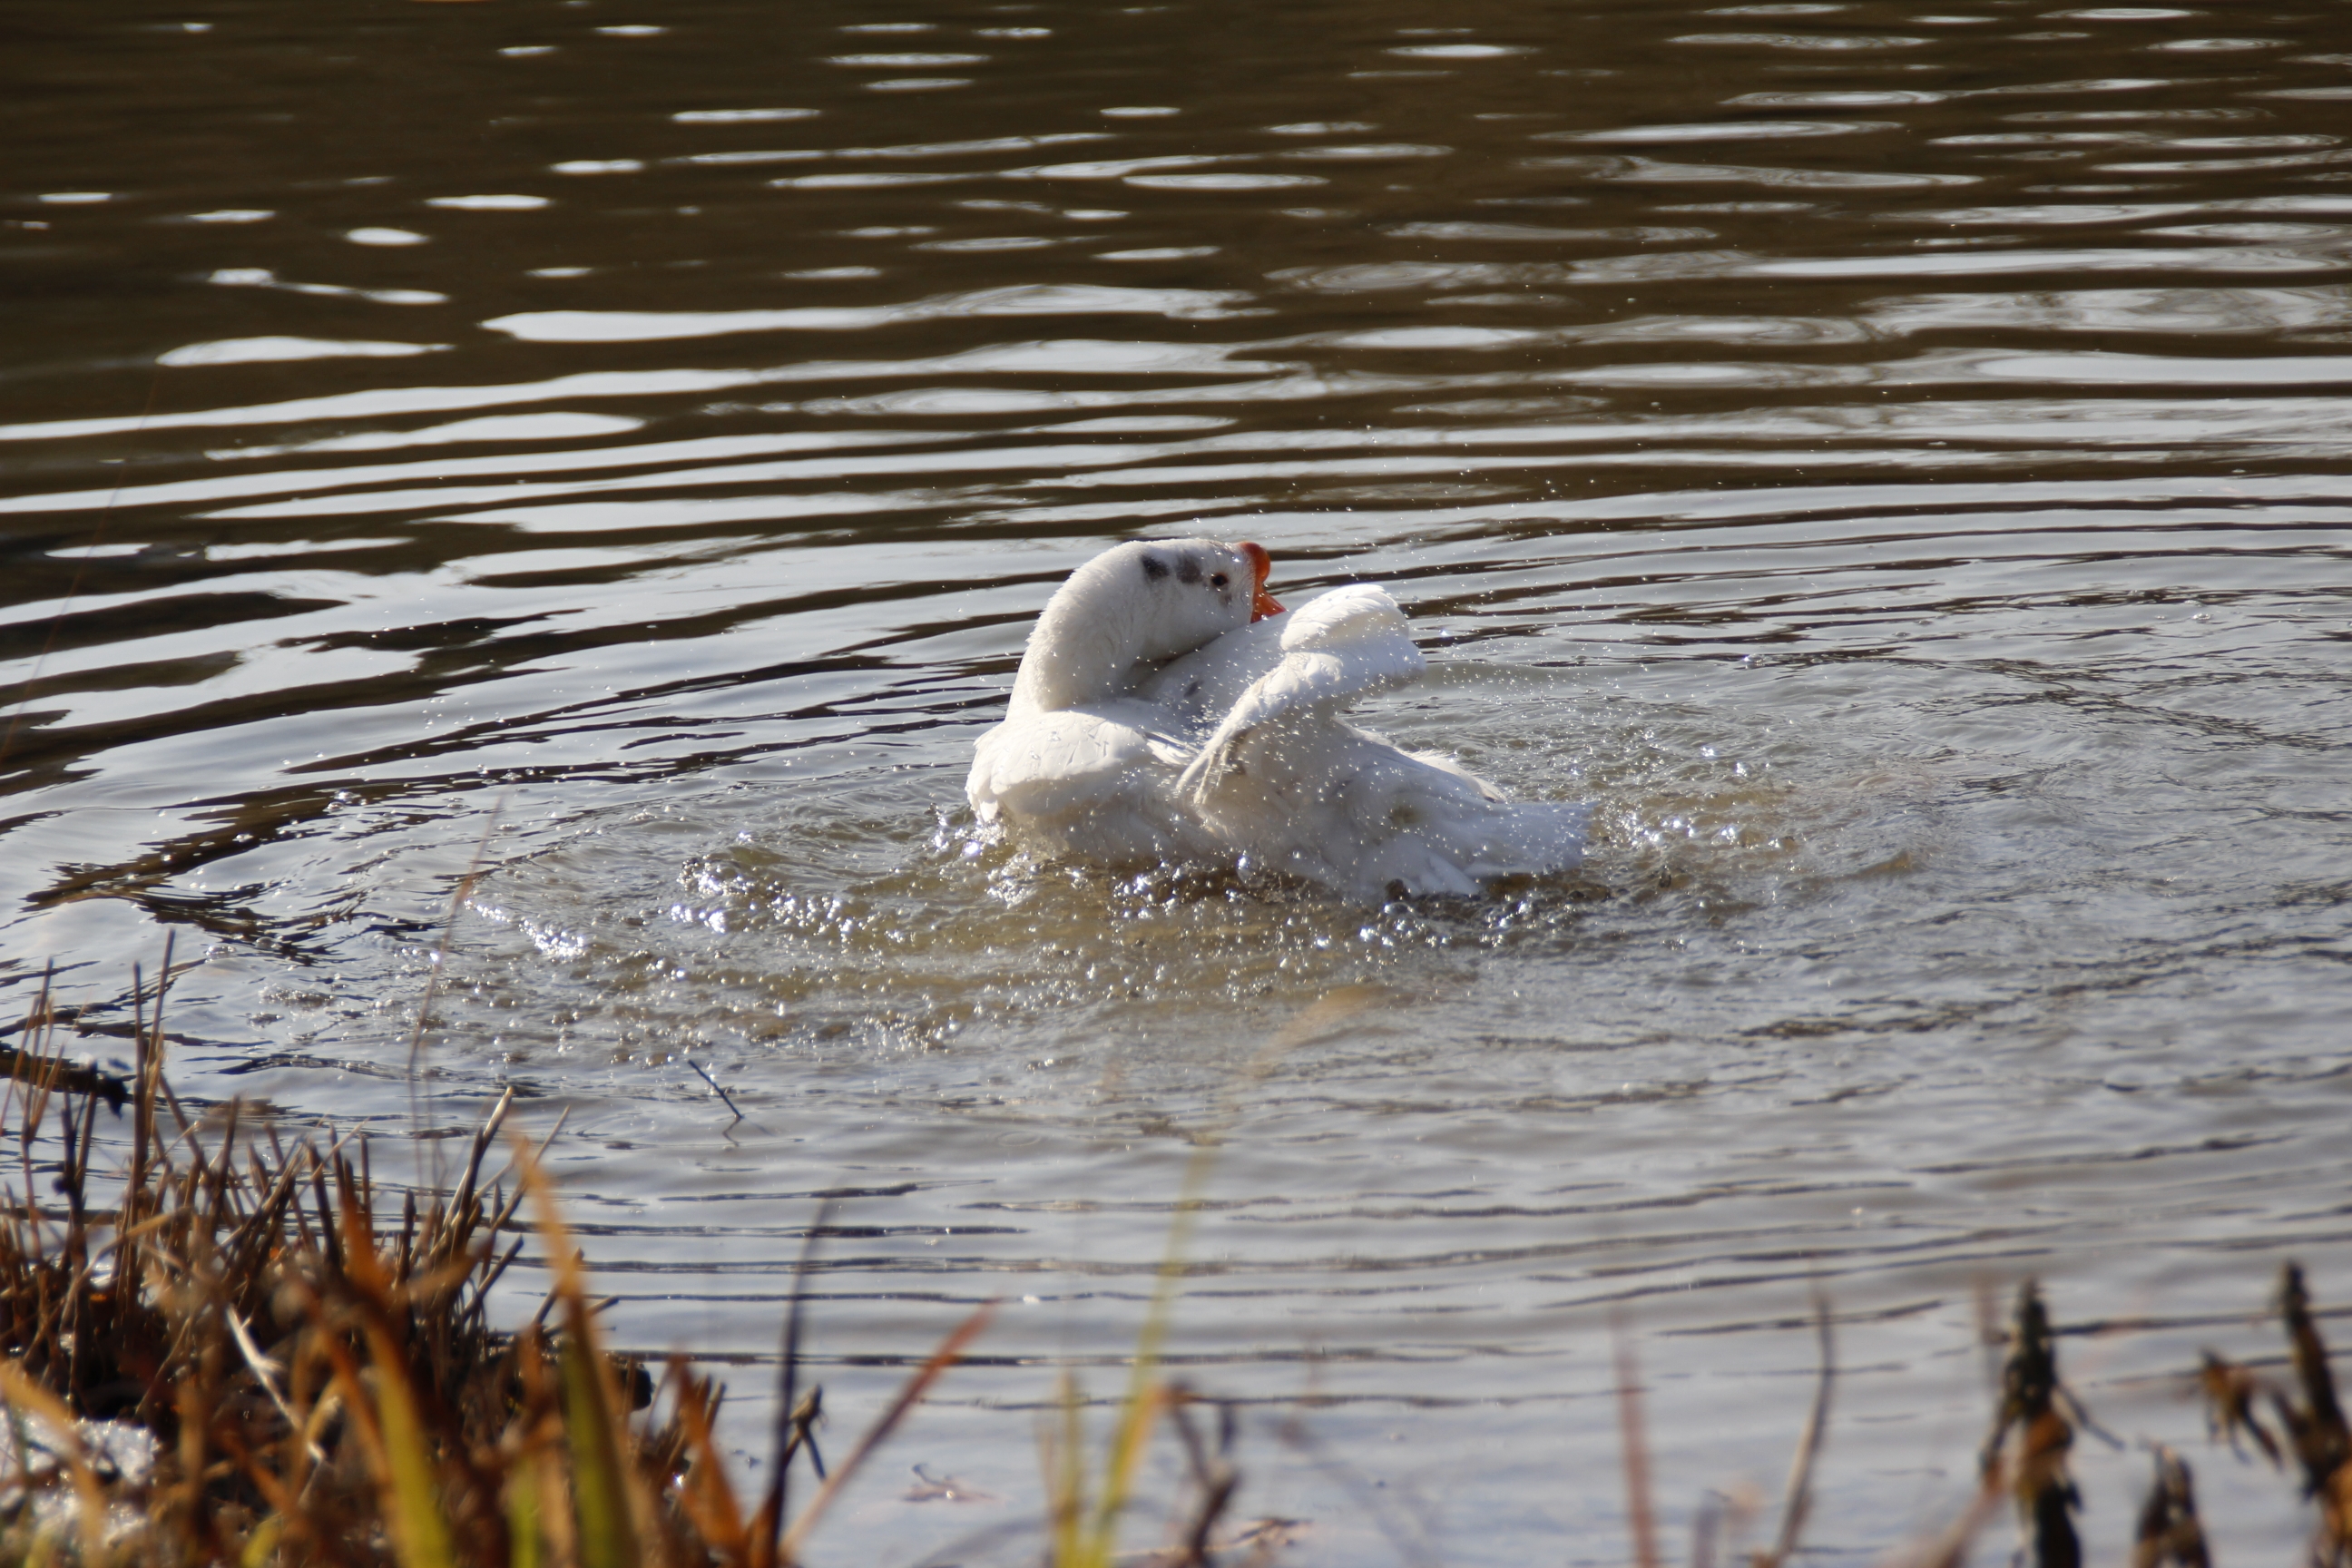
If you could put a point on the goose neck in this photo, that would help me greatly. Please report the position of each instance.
(1080, 652)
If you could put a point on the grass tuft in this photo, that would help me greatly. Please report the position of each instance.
(303, 1378)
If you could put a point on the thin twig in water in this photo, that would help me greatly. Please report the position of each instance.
(807, 1411)
(788, 1386)
(1799, 1500)
(910, 1393)
(716, 1090)
(1214, 1476)
(1411, 1544)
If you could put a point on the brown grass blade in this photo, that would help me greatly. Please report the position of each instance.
(949, 1351)
(1632, 1444)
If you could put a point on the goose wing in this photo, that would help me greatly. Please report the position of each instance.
(1072, 761)
(1290, 688)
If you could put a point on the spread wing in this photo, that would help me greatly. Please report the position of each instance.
(1329, 653)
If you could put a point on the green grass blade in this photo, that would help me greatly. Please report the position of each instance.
(262, 1544)
(600, 1497)
(523, 1504)
(419, 1532)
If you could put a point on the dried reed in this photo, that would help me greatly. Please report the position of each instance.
(298, 1378)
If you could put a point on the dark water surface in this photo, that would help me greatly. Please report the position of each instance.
(1896, 460)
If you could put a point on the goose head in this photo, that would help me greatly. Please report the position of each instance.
(1146, 601)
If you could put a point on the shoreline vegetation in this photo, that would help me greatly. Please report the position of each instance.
(226, 1348)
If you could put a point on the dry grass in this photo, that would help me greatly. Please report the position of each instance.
(221, 1349)
(303, 1367)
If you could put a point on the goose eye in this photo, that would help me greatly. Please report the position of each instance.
(1216, 580)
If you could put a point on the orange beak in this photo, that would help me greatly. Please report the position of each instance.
(1264, 604)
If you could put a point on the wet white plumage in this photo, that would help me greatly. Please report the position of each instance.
(1153, 720)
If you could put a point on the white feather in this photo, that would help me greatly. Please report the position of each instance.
(1239, 746)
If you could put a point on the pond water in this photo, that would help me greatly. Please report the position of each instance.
(538, 499)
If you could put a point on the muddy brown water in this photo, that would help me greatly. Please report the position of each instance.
(1894, 459)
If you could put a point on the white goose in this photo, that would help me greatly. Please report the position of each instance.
(1167, 708)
